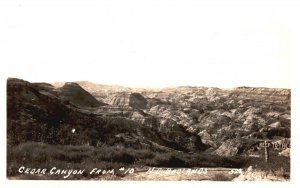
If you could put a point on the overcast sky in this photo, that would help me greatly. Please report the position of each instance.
(149, 43)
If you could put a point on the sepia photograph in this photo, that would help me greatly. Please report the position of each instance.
(84, 130)
(149, 93)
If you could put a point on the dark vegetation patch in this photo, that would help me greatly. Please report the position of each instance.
(41, 155)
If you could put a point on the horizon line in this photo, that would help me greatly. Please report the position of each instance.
(150, 86)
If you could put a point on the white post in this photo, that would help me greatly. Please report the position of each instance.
(266, 152)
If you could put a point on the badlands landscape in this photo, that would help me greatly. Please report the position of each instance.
(236, 134)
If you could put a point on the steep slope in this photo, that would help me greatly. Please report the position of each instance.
(78, 96)
(41, 114)
(136, 100)
(133, 100)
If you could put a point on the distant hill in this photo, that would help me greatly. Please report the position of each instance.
(78, 96)
(134, 100)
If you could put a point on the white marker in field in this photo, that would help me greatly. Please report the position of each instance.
(73, 130)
